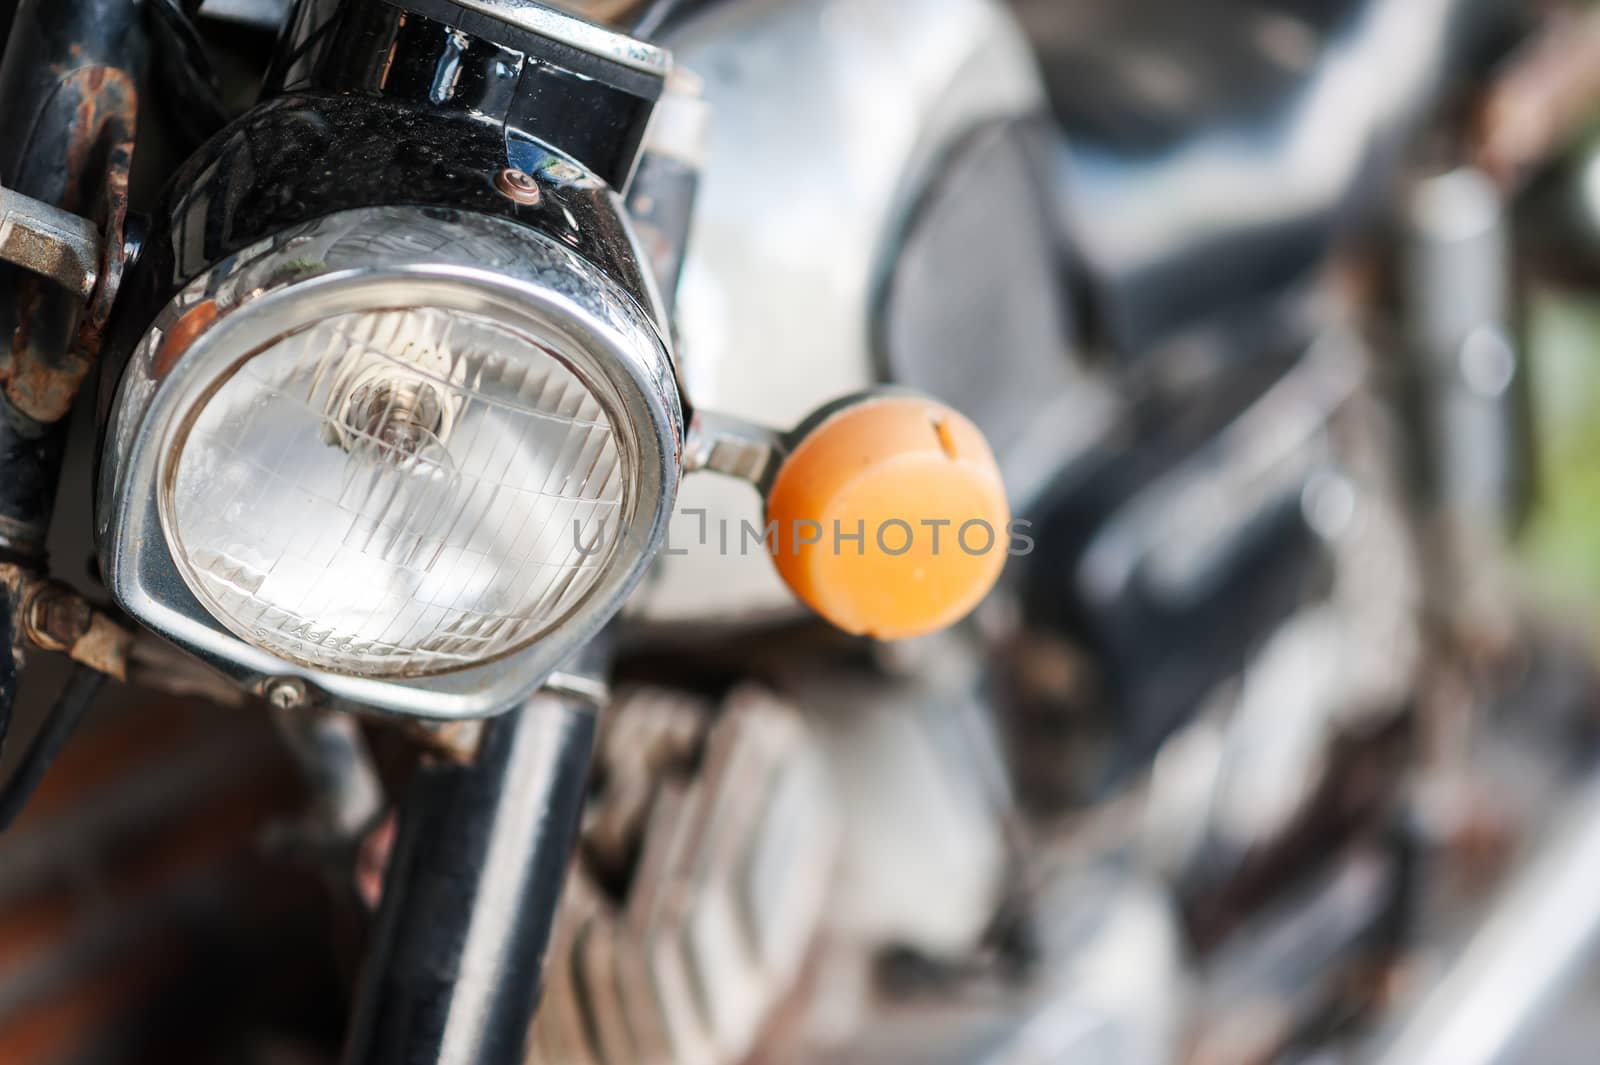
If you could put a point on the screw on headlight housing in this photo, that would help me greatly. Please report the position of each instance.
(519, 186)
(286, 693)
(55, 618)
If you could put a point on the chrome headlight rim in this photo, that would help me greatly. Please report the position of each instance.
(357, 292)
(544, 290)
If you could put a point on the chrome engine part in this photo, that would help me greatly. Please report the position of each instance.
(706, 857)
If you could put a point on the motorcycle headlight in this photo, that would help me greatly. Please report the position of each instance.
(435, 448)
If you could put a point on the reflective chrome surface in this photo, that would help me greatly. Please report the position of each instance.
(1535, 944)
(1213, 152)
(559, 26)
(456, 961)
(539, 78)
(1464, 364)
(826, 120)
(265, 14)
(353, 263)
(722, 819)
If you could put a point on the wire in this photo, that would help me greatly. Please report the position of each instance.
(71, 706)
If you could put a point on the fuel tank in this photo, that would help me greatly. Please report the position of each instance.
(838, 128)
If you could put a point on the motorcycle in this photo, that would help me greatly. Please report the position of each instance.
(803, 530)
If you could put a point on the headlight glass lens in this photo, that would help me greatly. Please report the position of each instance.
(397, 493)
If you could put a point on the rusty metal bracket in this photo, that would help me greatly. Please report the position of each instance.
(50, 242)
(46, 368)
(54, 617)
(69, 80)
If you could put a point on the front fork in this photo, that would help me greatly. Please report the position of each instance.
(455, 967)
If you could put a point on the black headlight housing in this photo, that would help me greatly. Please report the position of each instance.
(469, 112)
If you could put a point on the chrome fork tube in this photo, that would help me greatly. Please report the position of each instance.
(455, 970)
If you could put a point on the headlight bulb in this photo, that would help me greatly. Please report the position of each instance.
(398, 418)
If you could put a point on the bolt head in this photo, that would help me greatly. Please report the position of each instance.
(286, 693)
(519, 186)
(56, 619)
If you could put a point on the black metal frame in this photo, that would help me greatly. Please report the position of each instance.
(62, 78)
(68, 80)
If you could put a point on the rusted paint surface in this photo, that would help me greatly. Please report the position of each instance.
(49, 359)
(56, 618)
(103, 647)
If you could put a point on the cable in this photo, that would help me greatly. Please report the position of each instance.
(73, 702)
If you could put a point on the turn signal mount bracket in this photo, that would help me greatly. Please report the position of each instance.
(886, 511)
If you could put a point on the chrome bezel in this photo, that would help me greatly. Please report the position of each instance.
(574, 32)
(489, 266)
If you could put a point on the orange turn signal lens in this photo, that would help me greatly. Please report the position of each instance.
(891, 518)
